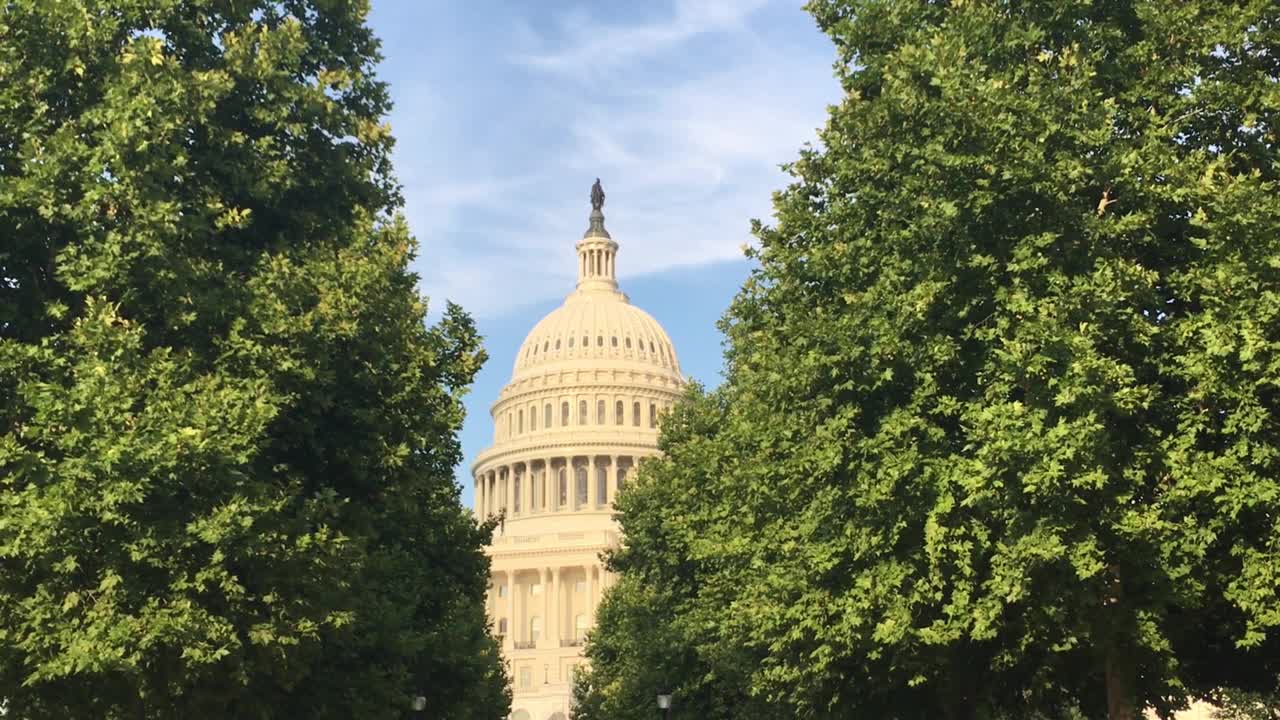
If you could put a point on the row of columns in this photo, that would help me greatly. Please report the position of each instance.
(555, 606)
(539, 491)
(595, 263)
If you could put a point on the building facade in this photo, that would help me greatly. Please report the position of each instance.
(580, 412)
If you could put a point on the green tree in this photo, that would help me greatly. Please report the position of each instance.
(1000, 415)
(654, 633)
(227, 434)
(1235, 704)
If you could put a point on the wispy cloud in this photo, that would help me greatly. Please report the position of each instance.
(685, 117)
(589, 46)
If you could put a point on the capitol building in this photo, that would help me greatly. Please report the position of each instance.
(579, 414)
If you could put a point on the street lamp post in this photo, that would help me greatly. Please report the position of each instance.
(664, 704)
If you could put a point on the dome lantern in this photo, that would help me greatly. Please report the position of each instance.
(597, 252)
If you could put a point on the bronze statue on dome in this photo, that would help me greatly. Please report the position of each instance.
(597, 196)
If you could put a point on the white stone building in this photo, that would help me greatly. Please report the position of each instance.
(580, 412)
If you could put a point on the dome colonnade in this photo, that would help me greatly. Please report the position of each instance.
(581, 411)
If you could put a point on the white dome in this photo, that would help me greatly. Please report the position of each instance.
(595, 326)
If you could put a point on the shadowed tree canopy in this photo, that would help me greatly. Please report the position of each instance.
(227, 434)
(999, 431)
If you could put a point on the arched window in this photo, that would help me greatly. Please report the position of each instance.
(635, 414)
(502, 626)
(614, 340)
(622, 477)
(535, 628)
(515, 489)
(540, 490)
(564, 488)
(600, 340)
(533, 417)
(600, 419)
(582, 412)
(653, 415)
(585, 342)
(619, 413)
(546, 416)
(602, 486)
(580, 627)
(564, 414)
(581, 485)
(557, 343)
(628, 343)
(651, 346)
(520, 420)
(509, 424)
(571, 342)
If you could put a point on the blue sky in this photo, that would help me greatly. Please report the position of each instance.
(505, 112)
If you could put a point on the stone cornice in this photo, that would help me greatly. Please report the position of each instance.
(639, 389)
(565, 448)
(519, 553)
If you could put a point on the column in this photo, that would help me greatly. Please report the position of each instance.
(549, 481)
(526, 490)
(510, 639)
(547, 498)
(553, 617)
(593, 590)
(545, 577)
(520, 631)
(592, 492)
(613, 477)
(542, 491)
(533, 488)
(510, 490)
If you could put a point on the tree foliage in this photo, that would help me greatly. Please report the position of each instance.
(999, 429)
(227, 436)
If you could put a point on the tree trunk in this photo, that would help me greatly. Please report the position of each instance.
(1120, 693)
